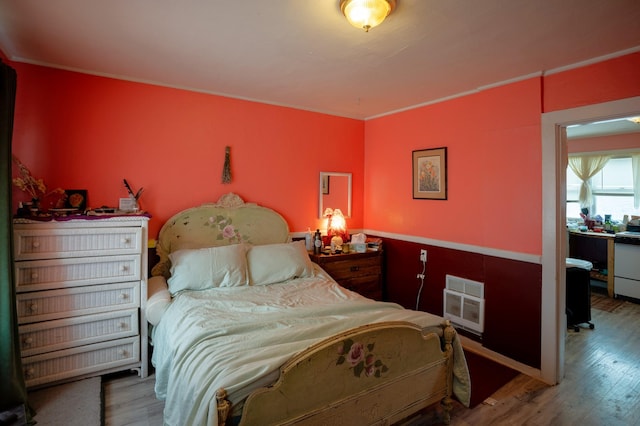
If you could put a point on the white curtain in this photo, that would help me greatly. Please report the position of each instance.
(635, 169)
(585, 167)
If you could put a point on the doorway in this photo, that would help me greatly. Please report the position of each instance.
(554, 242)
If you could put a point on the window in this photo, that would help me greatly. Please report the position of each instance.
(612, 189)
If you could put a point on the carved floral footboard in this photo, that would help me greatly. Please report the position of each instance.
(374, 374)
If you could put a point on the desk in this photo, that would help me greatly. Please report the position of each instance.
(598, 248)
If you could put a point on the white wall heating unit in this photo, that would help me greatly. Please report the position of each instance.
(464, 303)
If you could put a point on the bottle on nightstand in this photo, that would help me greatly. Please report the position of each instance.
(317, 243)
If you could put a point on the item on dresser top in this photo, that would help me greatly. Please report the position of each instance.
(289, 321)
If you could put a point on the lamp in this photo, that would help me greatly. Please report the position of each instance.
(337, 233)
(366, 14)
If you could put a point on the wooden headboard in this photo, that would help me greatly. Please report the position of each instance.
(229, 221)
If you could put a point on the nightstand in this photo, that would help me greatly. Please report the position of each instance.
(360, 272)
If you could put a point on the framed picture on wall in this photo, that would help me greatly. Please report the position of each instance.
(430, 174)
(76, 199)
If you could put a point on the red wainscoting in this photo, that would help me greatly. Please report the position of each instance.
(512, 328)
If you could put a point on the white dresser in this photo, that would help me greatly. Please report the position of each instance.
(81, 287)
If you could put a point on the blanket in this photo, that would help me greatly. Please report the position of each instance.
(238, 337)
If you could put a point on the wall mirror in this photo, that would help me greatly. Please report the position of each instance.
(335, 192)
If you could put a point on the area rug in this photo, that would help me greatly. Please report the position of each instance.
(76, 403)
(605, 303)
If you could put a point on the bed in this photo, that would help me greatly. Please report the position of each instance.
(247, 330)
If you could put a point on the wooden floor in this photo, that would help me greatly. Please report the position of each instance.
(601, 385)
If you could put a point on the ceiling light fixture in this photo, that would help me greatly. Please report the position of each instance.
(366, 14)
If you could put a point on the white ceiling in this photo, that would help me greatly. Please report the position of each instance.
(304, 54)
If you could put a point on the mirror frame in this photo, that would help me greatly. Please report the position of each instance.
(328, 174)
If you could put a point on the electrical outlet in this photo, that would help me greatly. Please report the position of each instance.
(423, 256)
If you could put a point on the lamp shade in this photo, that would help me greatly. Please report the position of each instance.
(366, 14)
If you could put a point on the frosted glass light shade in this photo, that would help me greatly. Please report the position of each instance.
(366, 14)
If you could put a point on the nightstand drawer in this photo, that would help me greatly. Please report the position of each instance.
(76, 242)
(49, 336)
(61, 273)
(76, 301)
(344, 269)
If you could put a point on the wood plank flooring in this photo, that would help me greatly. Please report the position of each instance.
(601, 386)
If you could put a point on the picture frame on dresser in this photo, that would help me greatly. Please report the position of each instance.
(76, 199)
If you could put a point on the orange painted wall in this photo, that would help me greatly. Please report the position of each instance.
(82, 131)
(494, 157)
(494, 162)
(601, 82)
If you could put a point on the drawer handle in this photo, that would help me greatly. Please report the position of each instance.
(354, 268)
(125, 240)
(124, 268)
(34, 275)
(123, 325)
(29, 372)
(36, 244)
(122, 352)
(33, 307)
(123, 296)
(28, 341)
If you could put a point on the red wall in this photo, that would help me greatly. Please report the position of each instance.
(86, 132)
(512, 292)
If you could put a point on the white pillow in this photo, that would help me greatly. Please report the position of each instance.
(275, 263)
(210, 267)
(158, 299)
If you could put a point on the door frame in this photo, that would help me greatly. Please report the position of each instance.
(554, 236)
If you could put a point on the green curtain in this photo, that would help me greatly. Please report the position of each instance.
(13, 392)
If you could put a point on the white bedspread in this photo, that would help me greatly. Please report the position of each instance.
(238, 337)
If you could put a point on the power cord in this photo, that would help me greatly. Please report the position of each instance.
(421, 276)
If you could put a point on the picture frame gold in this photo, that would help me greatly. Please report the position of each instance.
(430, 174)
(76, 199)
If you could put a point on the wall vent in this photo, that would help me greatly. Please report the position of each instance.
(464, 303)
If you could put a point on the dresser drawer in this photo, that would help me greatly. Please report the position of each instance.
(76, 242)
(49, 336)
(35, 275)
(76, 301)
(54, 366)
